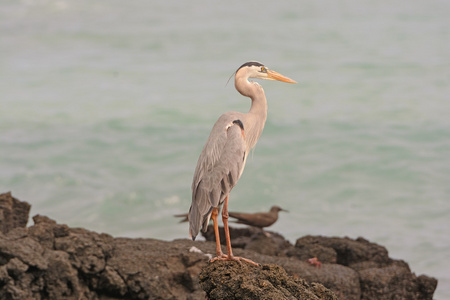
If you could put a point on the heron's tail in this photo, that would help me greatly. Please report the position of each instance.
(198, 220)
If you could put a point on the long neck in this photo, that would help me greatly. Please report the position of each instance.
(256, 117)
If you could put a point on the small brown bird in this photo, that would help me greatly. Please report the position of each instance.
(261, 220)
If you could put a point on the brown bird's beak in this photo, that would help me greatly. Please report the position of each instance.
(284, 210)
(272, 75)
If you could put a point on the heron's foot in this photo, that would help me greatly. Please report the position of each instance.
(220, 256)
(233, 258)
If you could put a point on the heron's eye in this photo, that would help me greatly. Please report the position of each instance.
(263, 69)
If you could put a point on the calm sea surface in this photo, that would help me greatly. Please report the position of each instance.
(105, 107)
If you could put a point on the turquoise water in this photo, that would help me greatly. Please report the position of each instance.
(105, 107)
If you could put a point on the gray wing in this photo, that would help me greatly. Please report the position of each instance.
(218, 169)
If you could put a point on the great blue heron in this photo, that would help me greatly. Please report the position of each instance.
(224, 155)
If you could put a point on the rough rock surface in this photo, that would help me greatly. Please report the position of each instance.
(13, 212)
(353, 269)
(52, 261)
(223, 280)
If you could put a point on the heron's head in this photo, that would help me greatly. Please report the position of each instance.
(254, 69)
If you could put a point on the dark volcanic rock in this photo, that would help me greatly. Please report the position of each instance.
(229, 280)
(53, 261)
(343, 281)
(395, 281)
(356, 254)
(13, 212)
(353, 269)
(143, 268)
(380, 276)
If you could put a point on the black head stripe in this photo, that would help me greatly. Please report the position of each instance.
(250, 63)
(239, 123)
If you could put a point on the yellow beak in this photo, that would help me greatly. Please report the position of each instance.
(272, 75)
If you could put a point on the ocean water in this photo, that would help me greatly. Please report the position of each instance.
(105, 107)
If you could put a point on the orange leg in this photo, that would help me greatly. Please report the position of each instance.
(229, 255)
(225, 227)
(214, 215)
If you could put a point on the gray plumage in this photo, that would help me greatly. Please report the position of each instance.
(219, 167)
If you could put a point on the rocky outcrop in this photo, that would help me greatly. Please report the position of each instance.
(13, 212)
(53, 261)
(229, 281)
(353, 269)
(380, 277)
